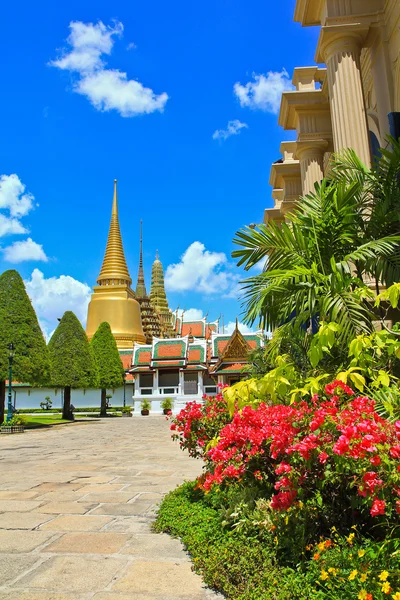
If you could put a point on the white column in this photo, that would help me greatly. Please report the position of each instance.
(349, 122)
(200, 383)
(155, 384)
(181, 383)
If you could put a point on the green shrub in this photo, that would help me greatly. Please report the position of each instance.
(241, 567)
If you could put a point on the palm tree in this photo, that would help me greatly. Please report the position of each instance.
(320, 264)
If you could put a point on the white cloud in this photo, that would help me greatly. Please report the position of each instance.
(24, 251)
(202, 271)
(9, 226)
(106, 89)
(265, 91)
(191, 314)
(53, 296)
(230, 327)
(13, 197)
(233, 128)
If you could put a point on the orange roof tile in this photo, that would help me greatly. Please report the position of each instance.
(166, 350)
(194, 355)
(126, 360)
(195, 328)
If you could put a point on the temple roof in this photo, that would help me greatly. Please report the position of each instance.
(114, 268)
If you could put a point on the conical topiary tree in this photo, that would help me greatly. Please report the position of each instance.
(109, 365)
(71, 359)
(19, 325)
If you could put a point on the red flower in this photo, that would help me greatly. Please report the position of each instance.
(378, 507)
(375, 460)
(323, 457)
(395, 451)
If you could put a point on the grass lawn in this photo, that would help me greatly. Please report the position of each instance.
(43, 421)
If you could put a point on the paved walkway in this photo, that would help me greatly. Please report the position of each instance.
(76, 505)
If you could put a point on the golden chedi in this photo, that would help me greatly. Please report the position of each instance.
(113, 300)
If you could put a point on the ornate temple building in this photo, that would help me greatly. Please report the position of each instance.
(191, 364)
(163, 354)
(353, 102)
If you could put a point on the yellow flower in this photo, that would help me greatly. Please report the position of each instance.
(321, 546)
(384, 575)
(385, 587)
(350, 538)
(333, 571)
(361, 553)
(396, 596)
(353, 575)
(363, 595)
(363, 577)
(324, 575)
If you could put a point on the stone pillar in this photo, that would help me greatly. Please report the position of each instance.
(311, 157)
(200, 383)
(181, 384)
(342, 56)
(156, 391)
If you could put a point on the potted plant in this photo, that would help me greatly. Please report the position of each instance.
(167, 405)
(47, 404)
(16, 425)
(145, 406)
(126, 411)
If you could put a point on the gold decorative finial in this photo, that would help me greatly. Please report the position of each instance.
(114, 268)
(157, 255)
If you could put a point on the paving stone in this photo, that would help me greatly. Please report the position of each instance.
(67, 508)
(14, 565)
(89, 543)
(136, 508)
(102, 487)
(128, 525)
(114, 497)
(74, 574)
(159, 578)
(158, 546)
(17, 505)
(22, 541)
(55, 486)
(26, 595)
(76, 523)
(16, 495)
(19, 520)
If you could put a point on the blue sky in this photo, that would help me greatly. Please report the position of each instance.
(68, 131)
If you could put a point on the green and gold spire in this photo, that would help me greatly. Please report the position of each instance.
(150, 319)
(158, 297)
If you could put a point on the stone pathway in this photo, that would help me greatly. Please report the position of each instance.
(76, 505)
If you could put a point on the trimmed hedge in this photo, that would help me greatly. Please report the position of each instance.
(59, 410)
(241, 567)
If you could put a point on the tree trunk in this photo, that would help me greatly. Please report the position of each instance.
(2, 400)
(103, 404)
(67, 414)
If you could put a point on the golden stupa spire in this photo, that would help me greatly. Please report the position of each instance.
(114, 270)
